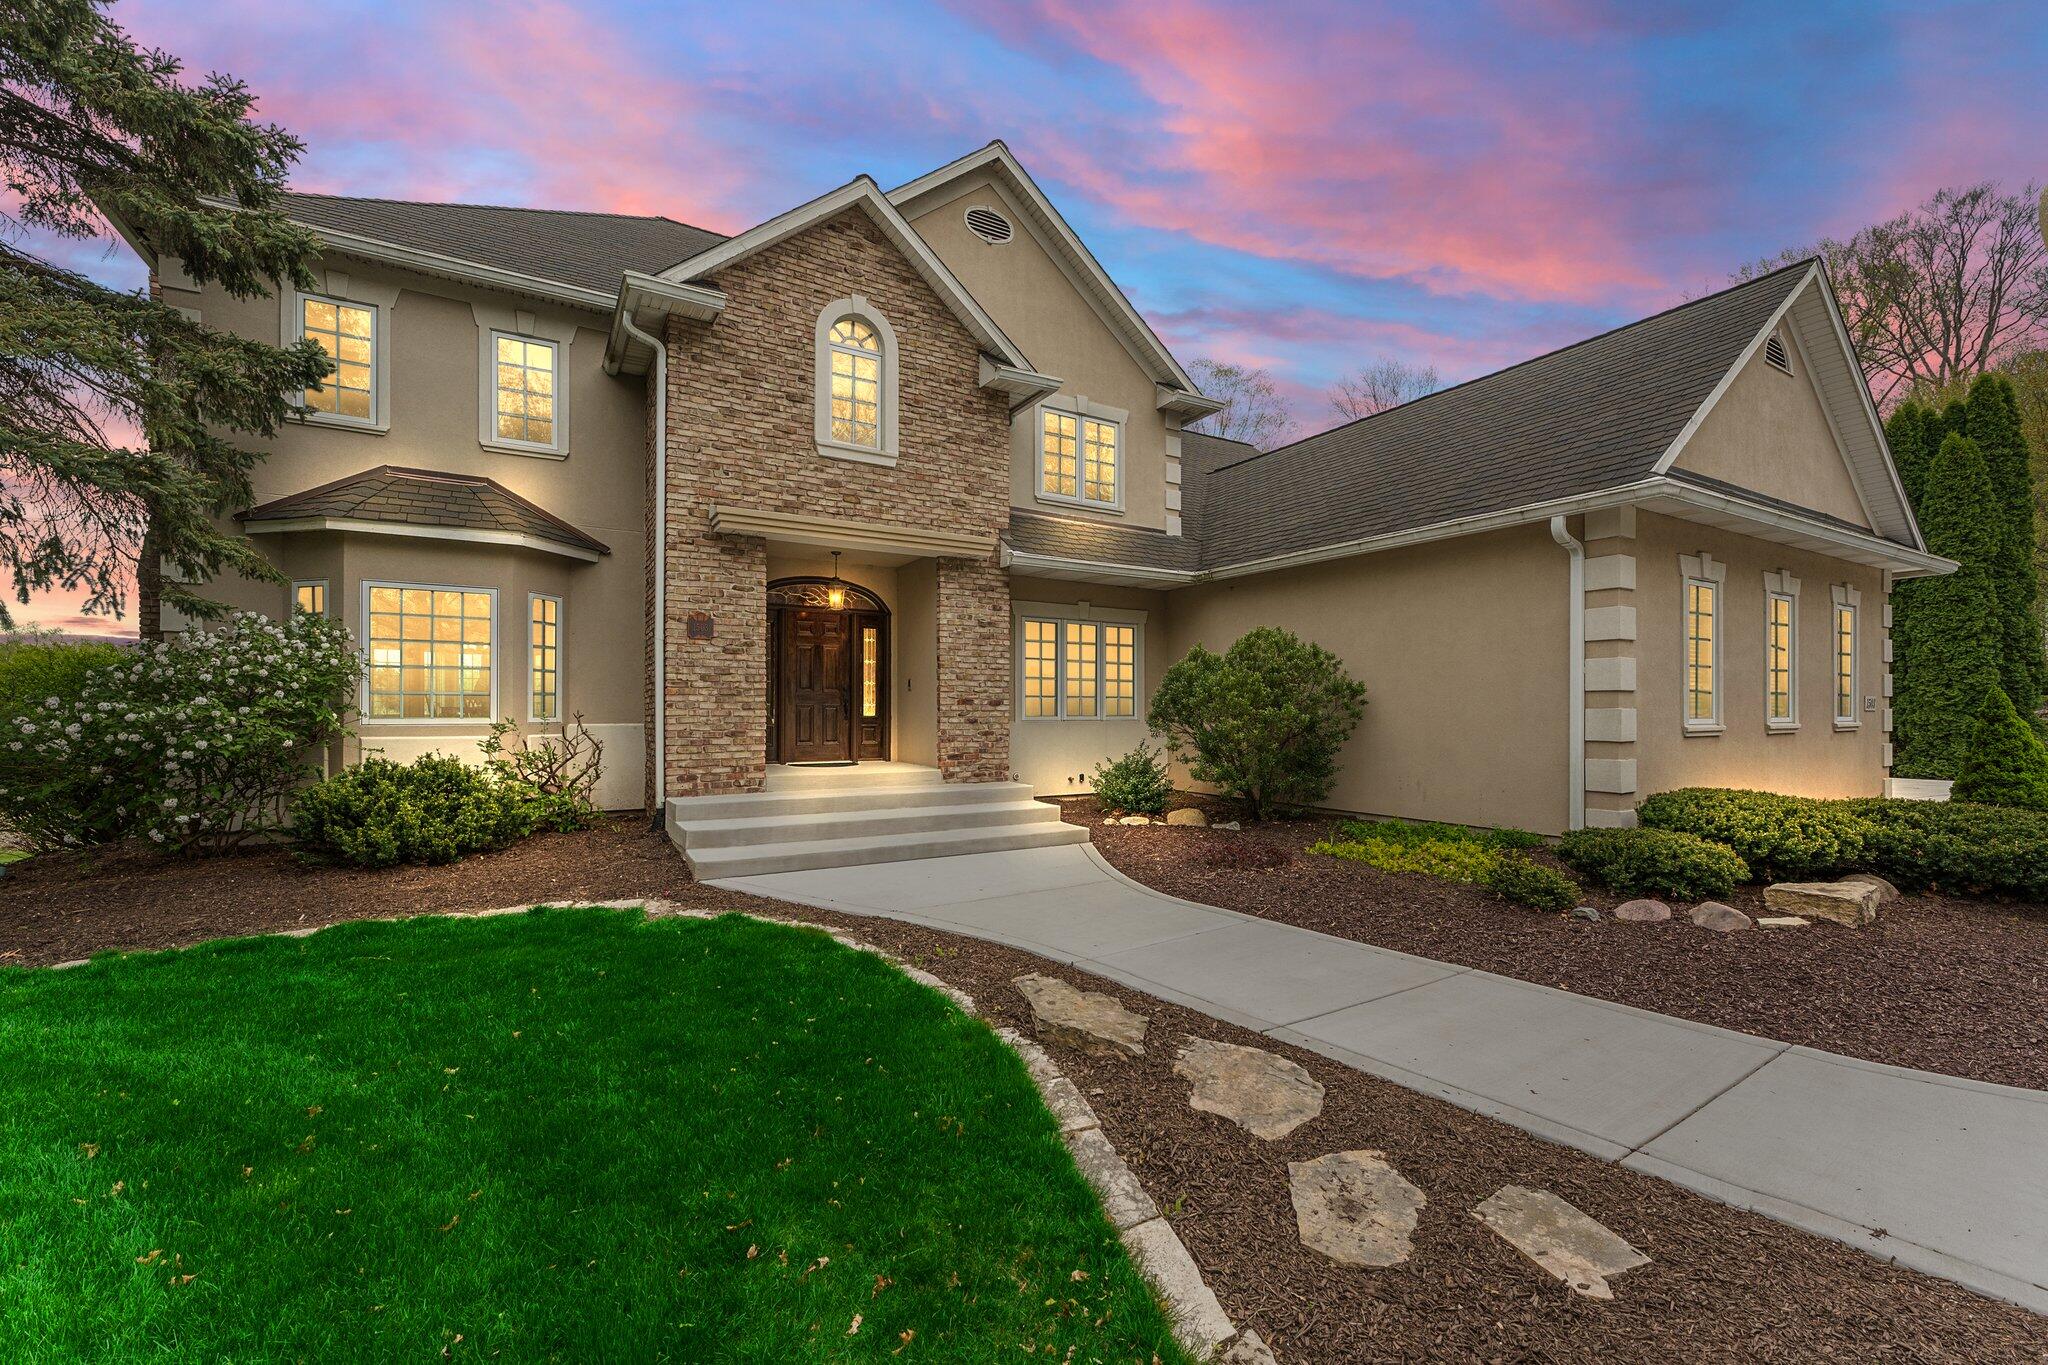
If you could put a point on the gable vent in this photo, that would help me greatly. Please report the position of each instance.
(989, 225)
(1776, 354)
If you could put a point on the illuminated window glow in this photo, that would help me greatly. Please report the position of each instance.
(429, 653)
(1780, 702)
(1119, 670)
(347, 332)
(1845, 664)
(870, 672)
(1079, 665)
(1041, 669)
(310, 598)
(1702, 650)
(856, 361)
(544, 641)
(523, 390)
(1077, 670)
(1077, 458)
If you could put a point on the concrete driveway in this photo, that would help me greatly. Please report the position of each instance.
(1946, 1176)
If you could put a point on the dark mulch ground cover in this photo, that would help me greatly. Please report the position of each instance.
(1947, 984)
(1723, 1285)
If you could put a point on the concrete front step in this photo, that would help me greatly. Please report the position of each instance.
(752, 860)
(866, 822)
(775, 804)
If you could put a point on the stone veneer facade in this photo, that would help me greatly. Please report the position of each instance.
(740, 434)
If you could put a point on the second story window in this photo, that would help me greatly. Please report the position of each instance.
(856, 383)
(348, 333)
(1078, 458)
(523, 390)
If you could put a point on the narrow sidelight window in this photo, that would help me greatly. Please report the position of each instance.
(1700, 610)
(1845, 663)
(347, 332)
(429, 652)
(870, 672)
(1781, 651)
(544, 641)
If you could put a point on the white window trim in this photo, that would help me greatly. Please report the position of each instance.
(1776, 585)
(854, 305)
(326, 594)
(1704, 569)
(1845, 596)
(493, 322)
(1083, 613)
(561, 658)
(363, 715)
(379, 299)
(1076, 406)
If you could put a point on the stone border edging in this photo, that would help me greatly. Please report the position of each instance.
(1199, 1321)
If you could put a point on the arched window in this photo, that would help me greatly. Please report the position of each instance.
(856, 383)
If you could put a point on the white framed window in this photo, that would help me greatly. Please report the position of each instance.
(1074, 663)
(1080, 453)
(310, 596)
(525, 406)
(544, 657)
(855, 406)
(1700, 578)
(348, 331)
(1781, 651)
(430, 652)
(1848, 603)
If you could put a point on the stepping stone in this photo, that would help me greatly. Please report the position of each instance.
(1722, 919)
(1781, 922)
(1643, 912)
(1259, 1091)
(1853, 903)
(1354, 1208)
(1088, 1020)
(1556, 1236)
(1187, 816)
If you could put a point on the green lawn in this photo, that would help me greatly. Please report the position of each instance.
(573, 1135)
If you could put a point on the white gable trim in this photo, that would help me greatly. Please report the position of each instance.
(1068, 252)
(1852, 418)
(862, 193)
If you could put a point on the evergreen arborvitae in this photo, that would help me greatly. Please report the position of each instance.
(1993, 422)
(2005, 763)
(1906, 433)
(1946, 639)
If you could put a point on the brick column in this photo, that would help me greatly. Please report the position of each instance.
(974, 671)
(717, 688)
(1611, 668)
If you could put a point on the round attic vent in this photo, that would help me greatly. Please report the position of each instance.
(989, 225)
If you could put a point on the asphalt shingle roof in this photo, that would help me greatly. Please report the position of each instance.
(425, 497)
(585, 249)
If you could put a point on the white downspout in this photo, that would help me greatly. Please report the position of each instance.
(1575, 686)
(660, 565)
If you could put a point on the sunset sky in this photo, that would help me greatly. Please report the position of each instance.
(1300, 186)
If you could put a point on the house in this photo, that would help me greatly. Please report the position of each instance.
(902, 480)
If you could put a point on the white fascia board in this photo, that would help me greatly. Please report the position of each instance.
(1869, 406)
(1859, 546)
(1073, 253)
(1188, 406)
(1699, 417)
(363, 526)
(865, 194)
(1094, 571)
(662, 299)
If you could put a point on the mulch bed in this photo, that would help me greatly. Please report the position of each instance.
(1721, 1285)
(1941, 983)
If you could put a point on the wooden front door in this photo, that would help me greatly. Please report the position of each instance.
(815, 686)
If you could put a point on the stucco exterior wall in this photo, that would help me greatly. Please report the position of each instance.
(1769, 432)
(1058, 756)
(1462, 645)
(1037, 307)
(1816, 759)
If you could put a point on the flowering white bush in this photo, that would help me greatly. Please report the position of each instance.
(193, 745)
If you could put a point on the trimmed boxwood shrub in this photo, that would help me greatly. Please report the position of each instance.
(1654, 862)
(1782, 838)
(432, 810)
(1136, 782)
(1956, 846)
(2005, 763)
(1522, 879)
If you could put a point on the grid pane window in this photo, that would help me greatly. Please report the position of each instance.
(310, 598)
(347, 332)
(1778, 659)
(1059, 457)
(1119, 670)
(544, 640)
(870, 672)
(524, 406)
(1041, 668)
(1098, 464)
(430, 653)
(856, 383)
(1080, 663)
(1700, 609)
(1845, 663)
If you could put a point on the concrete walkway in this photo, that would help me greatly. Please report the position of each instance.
(1946, 1176)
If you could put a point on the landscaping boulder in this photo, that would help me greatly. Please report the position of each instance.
(1853, 903)
(1354, 1208)
(1249, 1349)
(1886, 892)
(1261, 1092)
(1556, 1236)
(1230, 824)
(1187, 815)
(1643, 912)
(1133, 820)
(1089, 1020)
(1586, 912)
(1722, 919)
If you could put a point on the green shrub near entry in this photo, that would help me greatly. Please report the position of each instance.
(433, 810)
(1263, 721)
(1520, 878)
(1782, 838)
(2005, 763)
(1956, 846)
(1653, 862)
(1494, 859)
(1136, 782)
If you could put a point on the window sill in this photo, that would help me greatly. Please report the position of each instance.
(835, 450)
(531, 452)
(1781, 727)
(1848, 725)
(329, 420)
(1702, 728)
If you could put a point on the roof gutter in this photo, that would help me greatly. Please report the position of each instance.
(658, 762)
(1094, 570)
